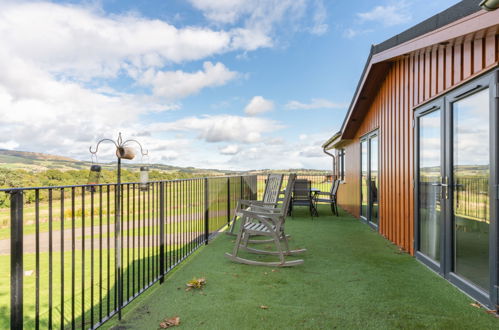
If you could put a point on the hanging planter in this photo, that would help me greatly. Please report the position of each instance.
(125, 153)
(93, 177)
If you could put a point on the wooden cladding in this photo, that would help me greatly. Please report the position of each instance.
(410, 81)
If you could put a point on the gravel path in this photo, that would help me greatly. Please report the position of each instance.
(29, 240)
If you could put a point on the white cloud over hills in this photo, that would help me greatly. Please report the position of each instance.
(63, 67)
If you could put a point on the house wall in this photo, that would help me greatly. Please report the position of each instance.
(410, 81)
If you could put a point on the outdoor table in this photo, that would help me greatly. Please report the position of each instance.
(313, 192)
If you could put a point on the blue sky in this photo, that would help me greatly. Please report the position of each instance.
(228, 84)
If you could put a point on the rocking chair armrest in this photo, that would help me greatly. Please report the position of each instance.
(324, 193)
(259, 215)
(248, 202)
(269, 204)
(267, 210)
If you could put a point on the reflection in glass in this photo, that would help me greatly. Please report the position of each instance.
(374, 179)
(471, 188)
(364, 178)
(429, 190)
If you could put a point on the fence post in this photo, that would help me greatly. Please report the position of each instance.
(161, 232)
(254, 194)
(206, 212)
(16, 259)
(228, 201)
(241, 187)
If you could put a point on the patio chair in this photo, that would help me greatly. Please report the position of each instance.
(266, 222)
(329, 197)
(302, 196)
(270, 199)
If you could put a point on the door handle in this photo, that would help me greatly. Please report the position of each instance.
(444, 185)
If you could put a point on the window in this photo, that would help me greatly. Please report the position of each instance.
(341, 164)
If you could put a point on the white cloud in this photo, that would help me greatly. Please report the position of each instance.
(299, 154)
(390, 15)
(169, 155)
(312, 152)
(83, 43)
(231, 149)
(221, 128)
(179, 84)
(319, 19)
(314, 104)
(10, 144)
(351, 33)
(254, 11)
(258, 105)
(262, 16)
(57, 61)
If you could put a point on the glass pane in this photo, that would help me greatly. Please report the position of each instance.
(471, 190)
(364, 196)
(429, 191)
(374, 179)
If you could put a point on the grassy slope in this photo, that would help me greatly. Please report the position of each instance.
(30, 161)
(351, 278)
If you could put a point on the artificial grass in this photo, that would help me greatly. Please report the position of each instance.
(352, 278)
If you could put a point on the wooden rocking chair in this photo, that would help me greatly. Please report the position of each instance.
(266, 222)
(270, 199)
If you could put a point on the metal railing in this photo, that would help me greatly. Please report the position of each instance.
(65, 270)
(321, 182)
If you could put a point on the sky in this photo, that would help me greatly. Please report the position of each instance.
(227, 84)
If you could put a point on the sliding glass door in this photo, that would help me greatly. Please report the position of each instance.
(471, 177)
(456, 179)
(369, 178)
(429, 183)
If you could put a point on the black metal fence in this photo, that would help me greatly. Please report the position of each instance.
(79, 254)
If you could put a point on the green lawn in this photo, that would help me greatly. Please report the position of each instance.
(352, 278)
(134, 260)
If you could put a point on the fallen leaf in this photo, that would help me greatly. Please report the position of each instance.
(475, 304)
(171, 322)
(264, 307)
(274, 270)
(196, 283)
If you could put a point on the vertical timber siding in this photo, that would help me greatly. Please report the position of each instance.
(411, 80)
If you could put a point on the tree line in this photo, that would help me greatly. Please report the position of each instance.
(49, 178)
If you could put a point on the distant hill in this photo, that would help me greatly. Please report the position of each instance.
(34, 155)
(37, 162)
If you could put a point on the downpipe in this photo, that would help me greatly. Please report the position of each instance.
(334, 161)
